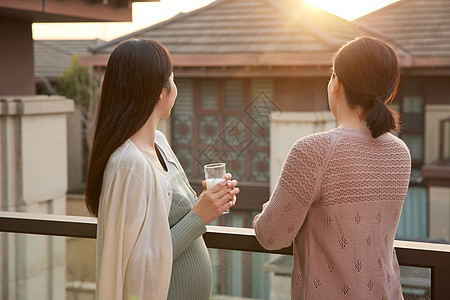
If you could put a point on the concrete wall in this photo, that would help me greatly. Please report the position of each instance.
(439, 197)
(433, 115)
(286, 128)
(33, 161)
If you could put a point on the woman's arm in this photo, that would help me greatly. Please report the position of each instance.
(185, 232)
(283, 215)
(209, 206)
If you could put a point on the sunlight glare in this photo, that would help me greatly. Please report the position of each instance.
(149, 13)
(349, 9)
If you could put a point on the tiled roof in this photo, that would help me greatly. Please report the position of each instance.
(422, 27)
(248, 26)
(51, 57)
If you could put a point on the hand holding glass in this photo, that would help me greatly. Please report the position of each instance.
(214, 173)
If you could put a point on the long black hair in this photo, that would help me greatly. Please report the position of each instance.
(136, 73)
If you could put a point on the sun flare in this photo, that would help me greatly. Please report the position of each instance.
(149, 13)
(349, 9)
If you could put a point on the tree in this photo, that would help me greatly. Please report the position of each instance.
(81, 84)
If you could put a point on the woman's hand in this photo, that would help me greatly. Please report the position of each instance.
(213, 202)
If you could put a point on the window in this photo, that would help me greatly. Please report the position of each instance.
(224, 120)
(414, 219)
(412, 133)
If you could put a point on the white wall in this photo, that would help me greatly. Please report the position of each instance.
(33, 160)
(288, 127)
(439, 213)
(439, 197)
(433, 115)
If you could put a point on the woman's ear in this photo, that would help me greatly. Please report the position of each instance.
(163, 94)
(337, 87)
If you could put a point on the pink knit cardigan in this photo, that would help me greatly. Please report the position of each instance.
(339, 200)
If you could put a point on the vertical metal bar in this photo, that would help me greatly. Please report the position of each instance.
(196, 105)
(441, 140)
(19, 241)
(4, 261)
(440, 285)
(4, 202)
(18, 150)
(246, 257)
(4, 154)
(247, 95)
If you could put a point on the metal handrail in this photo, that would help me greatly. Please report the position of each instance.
(416, 254)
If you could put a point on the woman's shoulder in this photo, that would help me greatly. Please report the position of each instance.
(397, 143)
(163, 143)
(127, 157)
(319, 139)
(161, 139)
(313, 147)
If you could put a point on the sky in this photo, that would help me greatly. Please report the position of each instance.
(147, 14)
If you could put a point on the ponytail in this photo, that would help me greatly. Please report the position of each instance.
(380, 118)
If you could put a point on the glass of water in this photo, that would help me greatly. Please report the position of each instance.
(214, 174)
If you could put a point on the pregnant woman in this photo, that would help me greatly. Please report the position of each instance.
(150, 220)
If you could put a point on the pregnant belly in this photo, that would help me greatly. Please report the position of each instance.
(192, 274)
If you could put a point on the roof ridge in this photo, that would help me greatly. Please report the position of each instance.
(380, 34)
(298, 20)
(379, 9)
(55, 47)
(176, 17)
(319, 33)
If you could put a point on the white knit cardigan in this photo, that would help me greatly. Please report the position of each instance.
(134, 246)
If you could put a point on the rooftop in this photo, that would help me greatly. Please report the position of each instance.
(422, 27)
(248, 26)
(51, 57)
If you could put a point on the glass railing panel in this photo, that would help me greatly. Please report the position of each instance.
(250, 275)
(39, 267)
(416, 283)
(80, 268)
(36, 266)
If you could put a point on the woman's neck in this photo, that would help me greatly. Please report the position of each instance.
(352, 118)
(352, 124)
(145, 137)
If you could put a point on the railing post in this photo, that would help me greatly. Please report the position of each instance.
(440, 283)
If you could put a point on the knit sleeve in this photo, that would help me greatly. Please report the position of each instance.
(296, 189)
(185, 232)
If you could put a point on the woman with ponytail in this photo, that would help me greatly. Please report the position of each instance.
(150, 220)
(340, 193)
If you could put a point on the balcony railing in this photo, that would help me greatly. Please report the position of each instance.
(416, 254)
